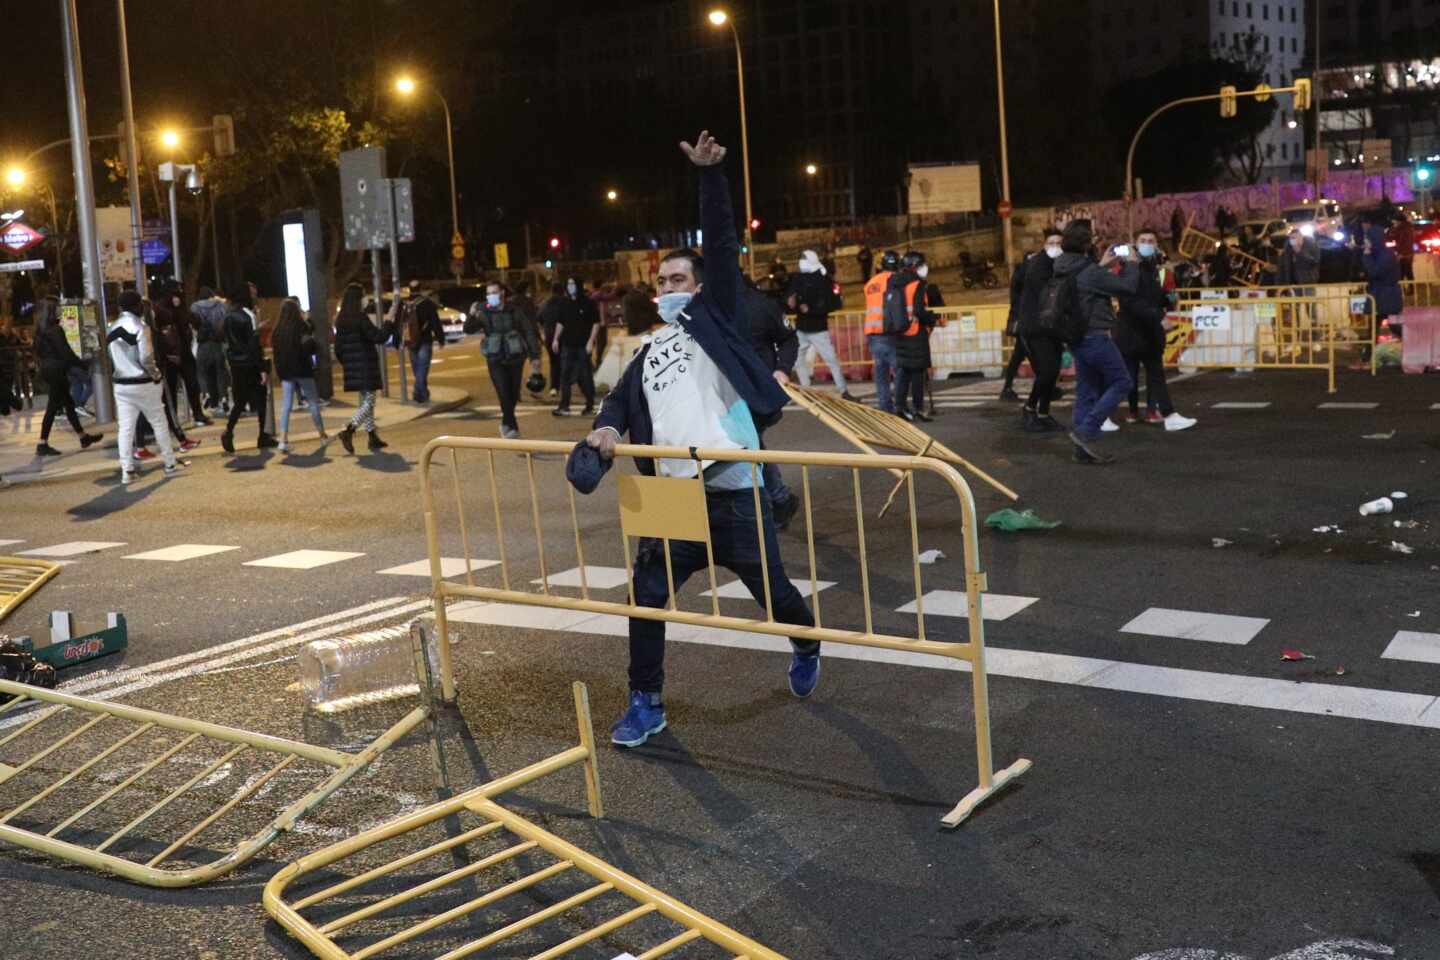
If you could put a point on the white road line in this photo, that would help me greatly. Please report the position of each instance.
(1435, 406)
(449, 567)
(6, 543)
(1241, 405)
(1196, 625)
(736, 589)
(1414, 646)
(72, 549)
(304, 559)
(596, 578)
(181, 551)
(93, 681)
(953, 603)
(1347, 406)
(1321, 699)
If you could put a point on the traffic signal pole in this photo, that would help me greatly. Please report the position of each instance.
(1228, 96)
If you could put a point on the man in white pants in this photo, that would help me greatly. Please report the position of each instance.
(137, 383)
(811, 297)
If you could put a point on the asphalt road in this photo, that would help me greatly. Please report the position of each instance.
(1192, 791)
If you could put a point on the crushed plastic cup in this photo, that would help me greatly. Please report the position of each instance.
(1382, 505)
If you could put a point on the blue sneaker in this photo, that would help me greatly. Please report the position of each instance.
(804, 674)
(644, 719)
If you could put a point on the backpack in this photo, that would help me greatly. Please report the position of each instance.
(896, 317)
(1059, 312)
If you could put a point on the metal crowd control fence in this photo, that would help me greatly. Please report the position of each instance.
(971, 339)
(375, 919)
(1421, 293)
(1198, 246)
(167, 768)
(1303, 328)
(666, 509)
(19, 578)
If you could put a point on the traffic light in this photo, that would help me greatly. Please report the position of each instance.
(554, 243)
(1302, 94)
(1227, 101)
(1422, 178)
(755, 224)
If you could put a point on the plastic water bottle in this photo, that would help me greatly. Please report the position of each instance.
(371, 667)
(1382, 505)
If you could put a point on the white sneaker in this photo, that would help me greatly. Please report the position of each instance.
(126, 477)
(283, 446)
(1176, 422)
(173, 469)
(1109, 426)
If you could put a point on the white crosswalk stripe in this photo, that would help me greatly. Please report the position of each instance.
(736, 589)
(304, 559)
(74, 548)
(181, 551)
(1196, 625)
(954, 603)
(596, 578)
(1353, 405)
(6, 543)
(1241, 405)
(449, 567)
(1414, 646)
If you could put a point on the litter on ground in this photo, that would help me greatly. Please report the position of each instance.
(1011, 520)
(930, 556)
(1399, 547)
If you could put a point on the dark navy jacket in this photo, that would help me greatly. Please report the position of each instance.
(715, 320)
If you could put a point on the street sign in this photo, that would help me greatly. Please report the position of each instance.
(19, 266)
(502, 256)
(1004, 208)
(944, 188)
(362, 176)
(404, 210)
(18, 236)
(155, 241)
(1210, 317)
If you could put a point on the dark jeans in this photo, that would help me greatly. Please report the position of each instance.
(59, 399)
(912, 381)
(575, 368)
(249, 391)
(184, 373)
(214, 372)
(1101, 382)
(1157, 392)
(1017, 357)
(506, 375)
(882, 351)
(1045, 354)
(732, 536)
(554, 365)
(420, 366)
(774, 480)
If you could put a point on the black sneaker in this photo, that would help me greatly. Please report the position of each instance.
(1085, 453)
(1056, 393)
(347, 439)
(1008, 393)
(561, 412)
(1048, 423)
(784, 511)
(88, 440)
(923, 417)
(904, 414)
(1030, 421)
(588, 412)
(227, 442)
(266, 441)
(848, 396)
(45, 450)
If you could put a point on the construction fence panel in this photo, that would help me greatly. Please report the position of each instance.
(475, 855)
(67, 763)
(653, 507)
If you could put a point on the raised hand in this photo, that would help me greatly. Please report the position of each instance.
(706, 152)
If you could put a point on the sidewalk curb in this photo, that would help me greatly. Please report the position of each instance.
(110, 465)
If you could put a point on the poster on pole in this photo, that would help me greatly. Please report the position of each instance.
(945, 188)
(112, 230)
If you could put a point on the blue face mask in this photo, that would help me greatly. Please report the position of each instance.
(492, 300)
(1146, 249)
(670, 305)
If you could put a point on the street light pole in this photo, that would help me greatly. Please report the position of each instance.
(455, 238)
(133, 145)
(1004, 155)
(85, 208)
(720, 18)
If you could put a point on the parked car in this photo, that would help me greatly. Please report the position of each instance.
(1427, 236)
(1322, 220)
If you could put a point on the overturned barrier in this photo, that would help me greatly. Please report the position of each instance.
(1303, 328)
(672, 509)
(20, 577)
(378, 921)
(82, 754)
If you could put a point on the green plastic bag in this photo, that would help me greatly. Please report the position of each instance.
(1013, 520)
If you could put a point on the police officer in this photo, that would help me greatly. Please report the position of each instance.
(880, 344)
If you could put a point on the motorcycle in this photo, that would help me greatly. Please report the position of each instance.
(979, 272)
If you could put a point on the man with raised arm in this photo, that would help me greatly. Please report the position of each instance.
(698, 383)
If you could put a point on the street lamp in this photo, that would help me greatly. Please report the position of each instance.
(811, 169)
(16, 177)
(406, 85)
(1004, 155)
(719, 18)
(612, 195)
(170, 139)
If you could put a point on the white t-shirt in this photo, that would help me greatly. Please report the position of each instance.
(693, 405)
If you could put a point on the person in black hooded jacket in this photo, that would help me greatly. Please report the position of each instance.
(1140, 337)
(355, 341)
(55, 358)
(247, 365)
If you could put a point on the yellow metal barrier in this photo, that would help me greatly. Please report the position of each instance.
(541, 857)
(1198, 246)
(672, 508)
(1275, 329)
(971, 338)
(1421, 293)
(21, 577)
(72, 768)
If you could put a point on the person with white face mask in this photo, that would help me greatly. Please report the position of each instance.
(811, 297)
(1044, 352)
(1140, 336)
(509, 339)
(699, 383)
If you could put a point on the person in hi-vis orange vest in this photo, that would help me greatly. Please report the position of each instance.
(877, 341)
